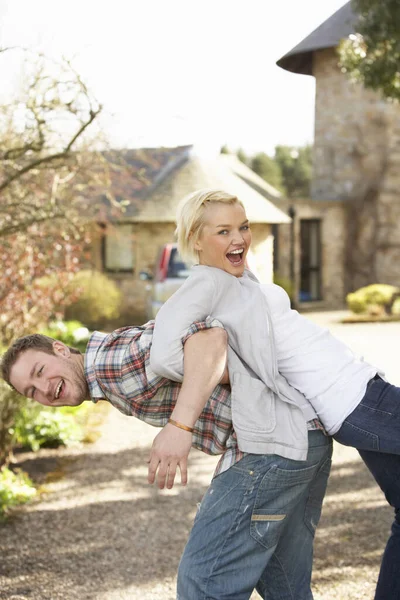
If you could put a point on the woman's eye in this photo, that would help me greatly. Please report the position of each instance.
(223, 232)
(40, 371)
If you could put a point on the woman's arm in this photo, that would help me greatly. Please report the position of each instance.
(205, 366)
(192, 302)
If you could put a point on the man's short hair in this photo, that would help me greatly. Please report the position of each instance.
(35, 341)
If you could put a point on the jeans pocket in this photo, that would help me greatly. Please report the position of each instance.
(278, 498)
(221, 494)
(351, 435)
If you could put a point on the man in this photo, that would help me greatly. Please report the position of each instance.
(270, 505)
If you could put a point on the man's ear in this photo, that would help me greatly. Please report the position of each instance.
(60, 349)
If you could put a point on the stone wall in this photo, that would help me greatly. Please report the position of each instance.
(357, 161)
(262, 252)
(350, 131)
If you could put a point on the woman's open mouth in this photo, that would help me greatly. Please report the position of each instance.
(236, 257)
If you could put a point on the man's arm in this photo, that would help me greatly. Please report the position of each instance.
(205, 355)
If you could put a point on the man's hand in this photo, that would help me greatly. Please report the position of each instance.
(170, 449)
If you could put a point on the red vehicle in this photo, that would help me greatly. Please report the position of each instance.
(169, 273)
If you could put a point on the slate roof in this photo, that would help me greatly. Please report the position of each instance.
(152, 181)
(327, 35)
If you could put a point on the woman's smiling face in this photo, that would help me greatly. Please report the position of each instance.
(225, 238)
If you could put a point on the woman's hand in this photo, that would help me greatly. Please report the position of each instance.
(170, 449)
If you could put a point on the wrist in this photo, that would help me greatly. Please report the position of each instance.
(186, 415)
(180, 425)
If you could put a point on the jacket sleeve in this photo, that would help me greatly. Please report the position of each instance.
(185, 313)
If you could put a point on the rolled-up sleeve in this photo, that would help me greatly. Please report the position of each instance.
(208, 323)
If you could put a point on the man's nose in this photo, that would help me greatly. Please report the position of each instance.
(43, 388)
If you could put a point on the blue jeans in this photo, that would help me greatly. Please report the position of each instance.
(374, 429)
(255, 528)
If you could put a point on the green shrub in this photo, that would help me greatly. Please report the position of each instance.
(377, 294)
(35, 427)
(72, 333)
(396, 307)
(99, 302)
(286, 284)
(15, 488)
(10, 403)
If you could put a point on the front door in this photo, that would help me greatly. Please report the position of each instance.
(310, 260)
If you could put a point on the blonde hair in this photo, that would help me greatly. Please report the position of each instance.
(189, 218)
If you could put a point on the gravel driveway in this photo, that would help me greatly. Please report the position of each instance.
(99, 532)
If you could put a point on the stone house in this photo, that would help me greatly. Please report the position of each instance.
(150, 183)
(348, 234)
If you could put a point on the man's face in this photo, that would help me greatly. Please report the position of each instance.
(50, 379)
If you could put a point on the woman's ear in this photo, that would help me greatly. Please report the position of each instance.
(197, 246)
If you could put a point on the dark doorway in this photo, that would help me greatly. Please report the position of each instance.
(310, 260)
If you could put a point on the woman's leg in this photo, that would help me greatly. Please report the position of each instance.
(374, 429)
(386, 470)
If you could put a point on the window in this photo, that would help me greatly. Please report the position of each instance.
(310, 266)
(117, 248)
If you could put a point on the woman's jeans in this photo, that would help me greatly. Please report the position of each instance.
(374, 429)
(255, 528)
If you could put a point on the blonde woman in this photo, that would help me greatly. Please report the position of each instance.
(255, 526)
(293, 371)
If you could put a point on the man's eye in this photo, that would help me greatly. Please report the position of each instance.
(40, 371)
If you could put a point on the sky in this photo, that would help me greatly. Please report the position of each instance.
(172, 72)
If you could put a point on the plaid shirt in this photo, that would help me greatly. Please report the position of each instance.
(117, 369)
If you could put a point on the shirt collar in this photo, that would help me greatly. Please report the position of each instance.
(95, 341)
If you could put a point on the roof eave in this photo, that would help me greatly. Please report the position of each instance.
(328, 35)
(301, 63)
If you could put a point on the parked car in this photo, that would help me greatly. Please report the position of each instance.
(169, 273)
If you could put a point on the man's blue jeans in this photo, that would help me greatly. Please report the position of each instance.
(374, 429)
(255, 528)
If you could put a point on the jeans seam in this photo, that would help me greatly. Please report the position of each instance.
(213, 567)
(377, 410)
(328, 460)
(227, 537)
(286, 577)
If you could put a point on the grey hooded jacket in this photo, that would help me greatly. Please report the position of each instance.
(268, 415)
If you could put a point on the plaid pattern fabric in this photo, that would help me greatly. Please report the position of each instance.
(117, 369)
